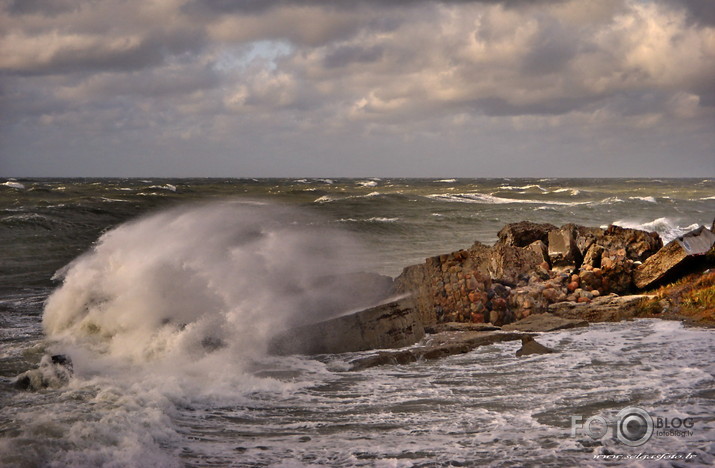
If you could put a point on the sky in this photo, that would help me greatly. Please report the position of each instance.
(357, 88)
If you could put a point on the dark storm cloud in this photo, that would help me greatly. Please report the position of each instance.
(700, 11)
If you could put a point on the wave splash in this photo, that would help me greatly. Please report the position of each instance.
(191, 281)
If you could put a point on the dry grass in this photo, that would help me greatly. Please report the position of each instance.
(691, 297)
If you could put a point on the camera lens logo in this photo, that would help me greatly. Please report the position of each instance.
(634, 426)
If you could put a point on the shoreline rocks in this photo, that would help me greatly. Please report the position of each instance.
(537, 277)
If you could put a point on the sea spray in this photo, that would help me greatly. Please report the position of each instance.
(194, 280)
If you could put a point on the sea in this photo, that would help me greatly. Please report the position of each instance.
(165, 292)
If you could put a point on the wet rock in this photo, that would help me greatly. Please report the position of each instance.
(672, 260)
(54, 372)
(544, 323)
(458, 326)
(525, 233)
(531, 346)
(437, 346)
(392, 325)
(611, 308)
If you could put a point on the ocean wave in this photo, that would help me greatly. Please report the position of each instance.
(491, 199)
(610, 201)
(667, 228)
(446, 181)
(572, 191)
(645, 199)
(367, 183)
(707, 198)
(14, 184)
(111, 200)
(334, 198)
(523, 187)
(374, 219)
(169, 187)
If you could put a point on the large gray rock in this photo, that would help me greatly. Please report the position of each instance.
(673, 257)
(544, 323)
(391, 325)
(563, 250)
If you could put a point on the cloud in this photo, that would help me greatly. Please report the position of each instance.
(250, 71)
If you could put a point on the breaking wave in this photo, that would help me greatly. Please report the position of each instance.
(491, 199)
(192, 281)
(667, 228)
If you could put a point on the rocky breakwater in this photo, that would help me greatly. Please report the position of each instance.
(574, 272)
(531, 267)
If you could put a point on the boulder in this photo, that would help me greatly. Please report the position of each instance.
(563, 251)
(544, 323)
(392, 325)
(531, 346)
(586, 237)
(541, 249)
(672, 259)
(638, 244)
(524, 233)
(616, 271)
(592, 257)
(510, 264)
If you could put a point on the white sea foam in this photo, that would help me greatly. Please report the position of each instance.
(367, 183)
(572, 191)
(474, 197)
(169, 187)
(446, 181)
(667, 228)
(14, 184)
(645, 199)
(188, 281)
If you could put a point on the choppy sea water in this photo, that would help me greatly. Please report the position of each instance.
(179, 282)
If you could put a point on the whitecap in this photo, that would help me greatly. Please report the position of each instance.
(523, 187)
(610, 201)
(491, 199)
(708, 198)
(169, 187)
(645, 199)
(667, 228)
(367, 183)
(14, 184)
(572, 191)
(446, 181)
